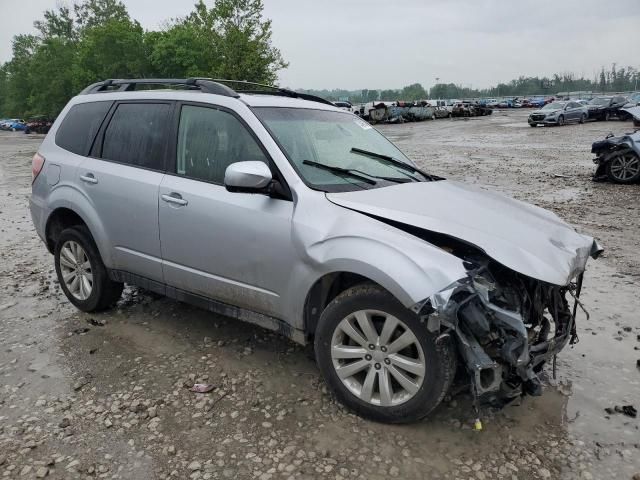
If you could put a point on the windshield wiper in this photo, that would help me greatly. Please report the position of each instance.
(360, 172)
(339, 170)
(393, 161)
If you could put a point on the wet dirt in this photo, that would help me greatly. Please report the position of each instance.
(79, 399)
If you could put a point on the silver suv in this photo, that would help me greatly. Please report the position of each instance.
(280, 209)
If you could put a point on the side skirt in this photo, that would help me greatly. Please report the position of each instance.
(265, 321)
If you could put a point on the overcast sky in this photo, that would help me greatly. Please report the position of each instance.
(388, 44)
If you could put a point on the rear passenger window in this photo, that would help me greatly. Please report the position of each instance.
(80, 125)
(209, 140)
(137, 135)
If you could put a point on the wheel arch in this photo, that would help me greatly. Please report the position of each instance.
(68, 208)
(60, 219)
(407, 267)
(323, 291)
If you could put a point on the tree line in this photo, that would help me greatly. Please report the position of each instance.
(97, 39)
(607, 80)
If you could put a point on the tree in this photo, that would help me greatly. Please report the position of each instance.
(413, 92)
(180, 51)
(51, 79)
(93, 13)
(114, 49)
(18, 73)
(389, 94)
(96, 39)
(237, 39)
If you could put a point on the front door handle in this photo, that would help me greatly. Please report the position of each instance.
(89, 178)
(175, 198)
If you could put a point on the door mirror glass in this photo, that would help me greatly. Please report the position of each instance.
(248, 177)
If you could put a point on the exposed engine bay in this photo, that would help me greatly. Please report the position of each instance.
(505, 325)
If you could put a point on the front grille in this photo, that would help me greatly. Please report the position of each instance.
(537, 118)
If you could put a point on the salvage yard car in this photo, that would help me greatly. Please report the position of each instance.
(604, 108)
(13, 124)
(618, 158)
(558, 113)
(278, 208)
(39, 124)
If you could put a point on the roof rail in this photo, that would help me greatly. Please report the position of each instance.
(263, 89)
(218, 86)
(204, 85)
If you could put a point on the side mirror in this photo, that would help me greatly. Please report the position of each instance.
(248, 177)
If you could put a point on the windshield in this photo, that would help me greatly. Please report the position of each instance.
(554, 106)
(600, 101)
(329, 138)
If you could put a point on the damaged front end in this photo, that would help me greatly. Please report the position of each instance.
(506, 326)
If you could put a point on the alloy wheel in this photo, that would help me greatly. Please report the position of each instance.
(378, 358)
(625, 166)
(76, 270)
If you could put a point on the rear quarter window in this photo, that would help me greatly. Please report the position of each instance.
(80, 125)
(137, 135)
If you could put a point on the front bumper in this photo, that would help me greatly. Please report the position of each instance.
(543, 121)
(503, 350)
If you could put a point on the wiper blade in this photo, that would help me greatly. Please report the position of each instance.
(339, 170)
(393, 161)
(352, 171)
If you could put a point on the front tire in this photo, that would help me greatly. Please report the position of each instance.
(379, 359)
(583, 118)
(561, 120)
(624, 167)
(81, 273)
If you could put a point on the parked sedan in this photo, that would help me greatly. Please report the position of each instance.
(13, 124)
(633, 100)
(559, 113)
(604, 108)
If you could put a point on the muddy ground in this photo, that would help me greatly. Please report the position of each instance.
(103, 396)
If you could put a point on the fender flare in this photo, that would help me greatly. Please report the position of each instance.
(69, 197)
(394, 269)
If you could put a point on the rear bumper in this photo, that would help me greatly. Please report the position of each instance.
(38, 217)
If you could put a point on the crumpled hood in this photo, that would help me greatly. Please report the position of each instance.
(522, 237)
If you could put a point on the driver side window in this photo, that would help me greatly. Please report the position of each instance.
(209, 140)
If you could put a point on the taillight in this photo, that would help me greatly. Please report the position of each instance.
(36, 166)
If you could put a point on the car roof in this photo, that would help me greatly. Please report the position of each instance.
(250, 99)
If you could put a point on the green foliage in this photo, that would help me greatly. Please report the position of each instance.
(97, 39)
(114, 49)
(180, 51)
(413, 92)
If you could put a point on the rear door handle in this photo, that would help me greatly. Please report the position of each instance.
(175, 198)
(89, 178)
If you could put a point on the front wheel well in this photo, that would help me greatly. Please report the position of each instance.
(59, 220)
(323, 291)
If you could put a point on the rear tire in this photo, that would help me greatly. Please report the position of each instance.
(77, 259)
(429, 366)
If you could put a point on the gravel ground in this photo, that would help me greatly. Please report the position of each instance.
(103, 396)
